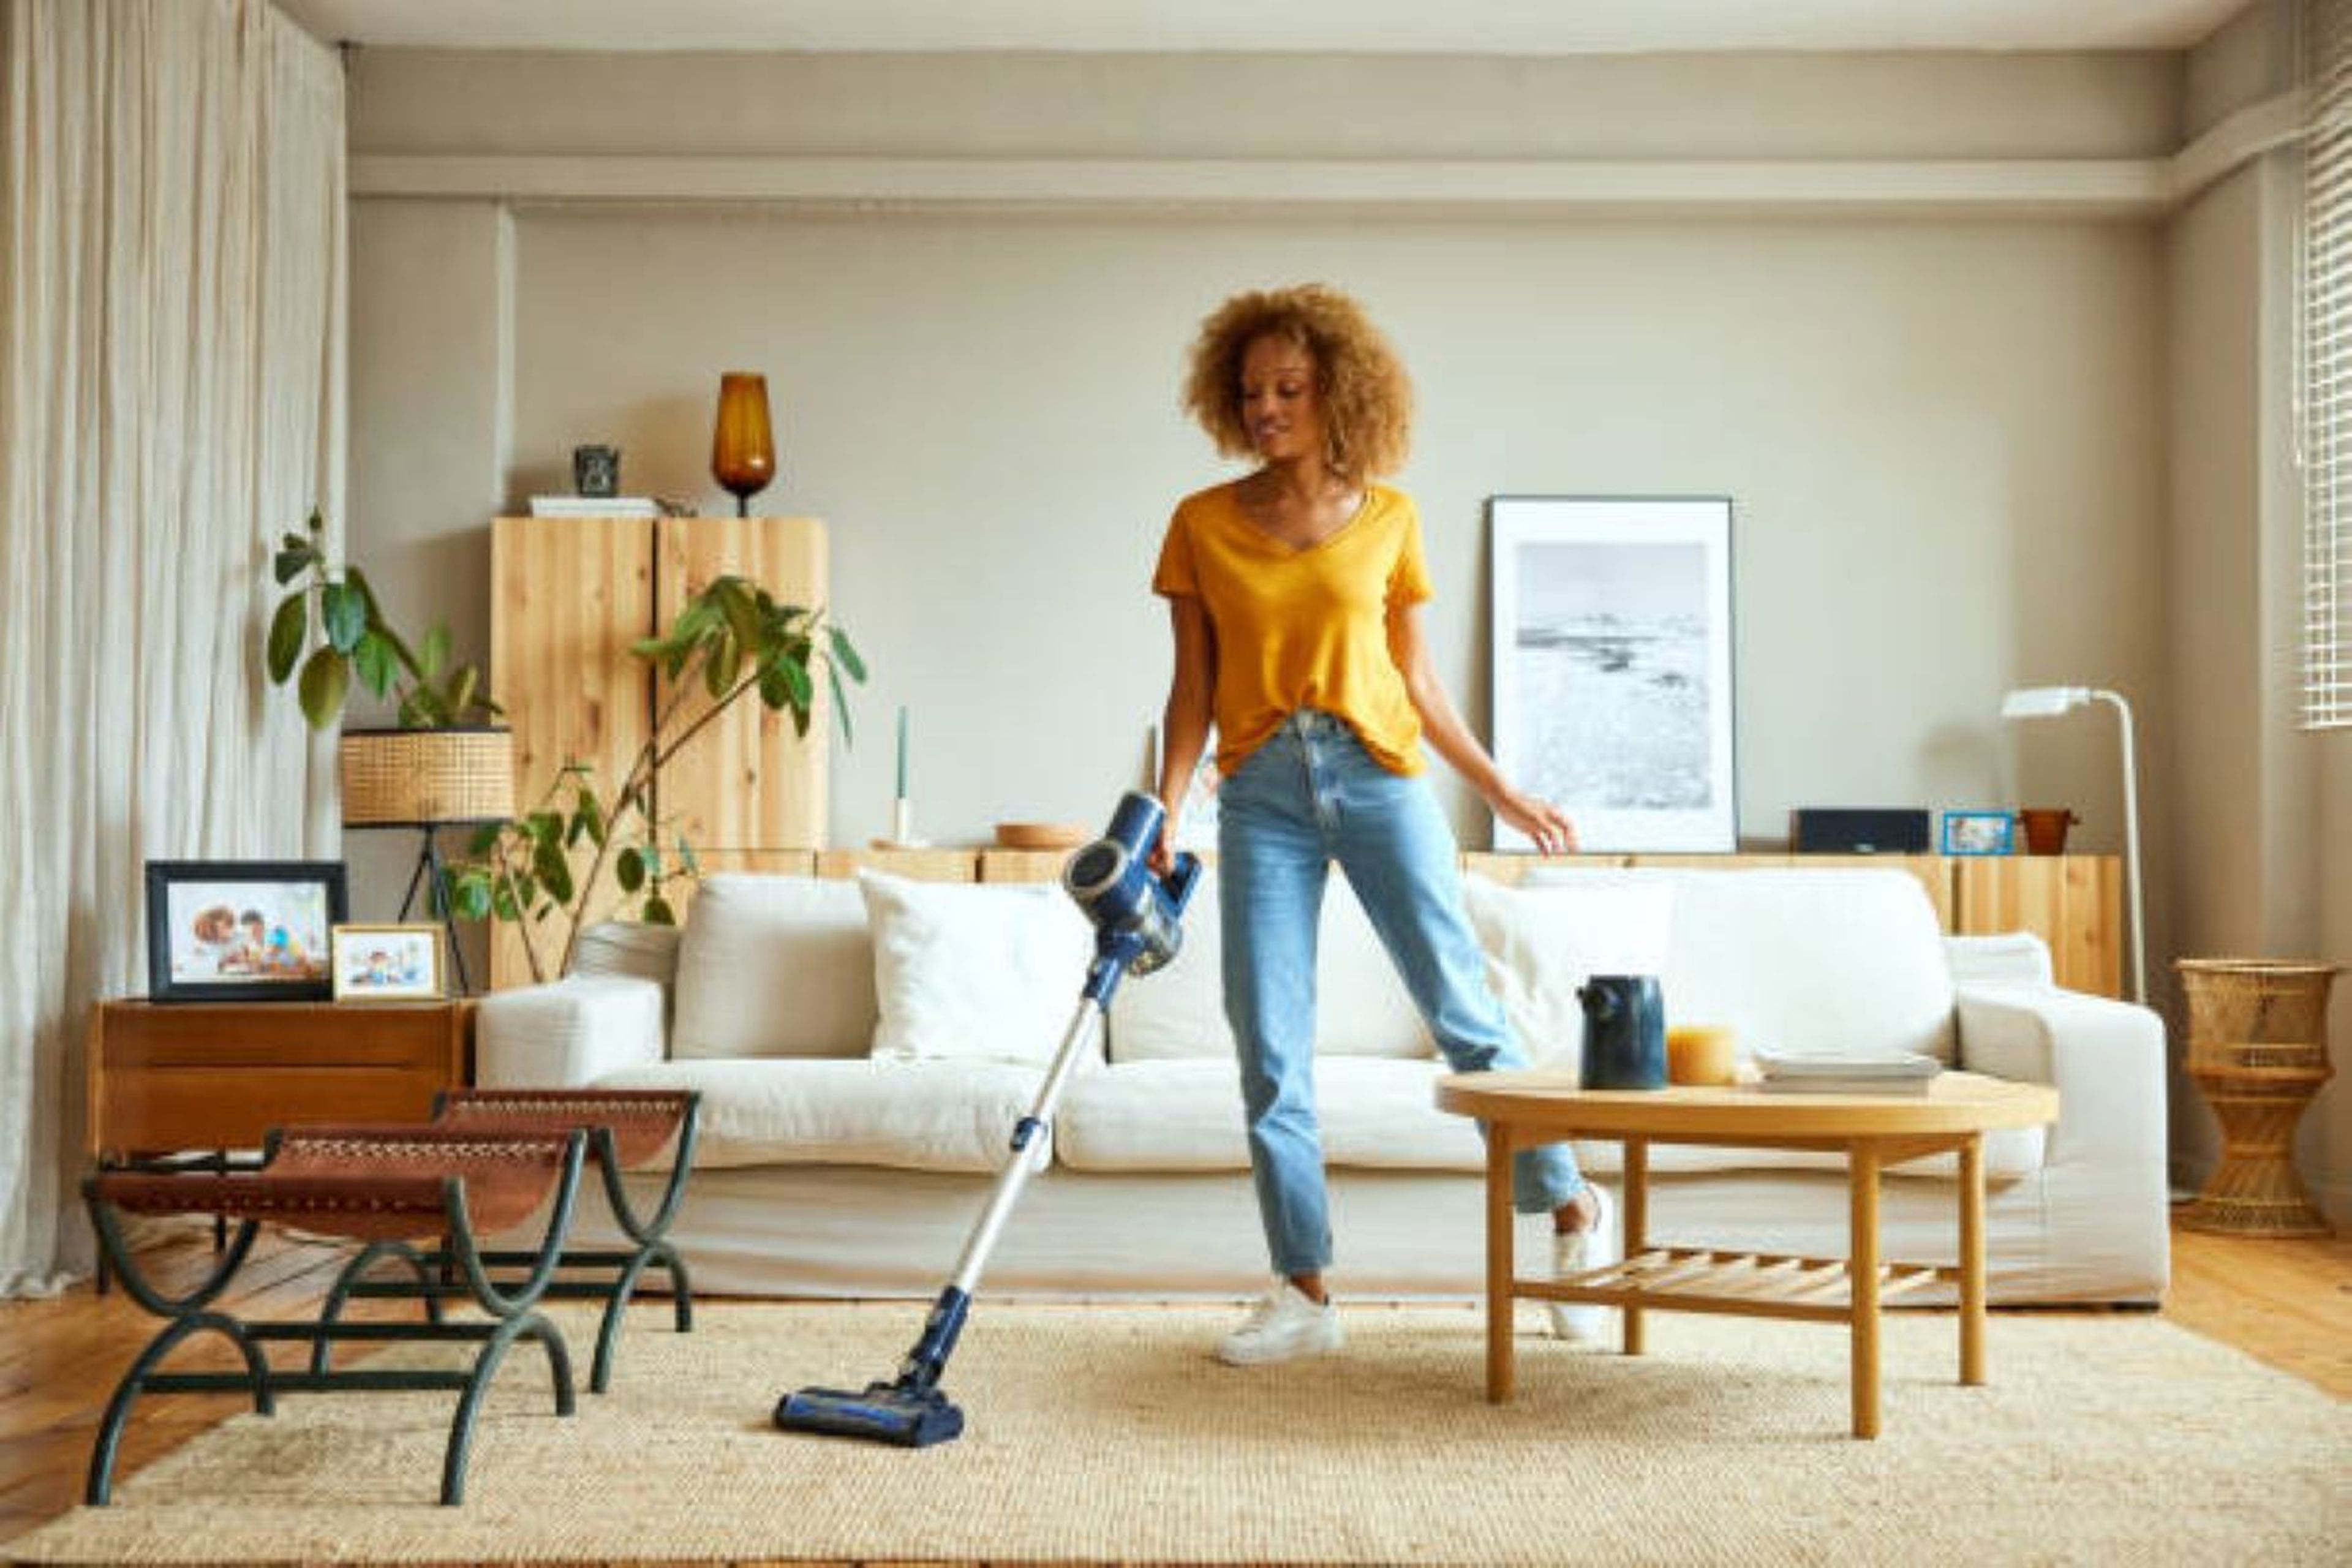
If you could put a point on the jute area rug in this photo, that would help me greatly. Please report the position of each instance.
(1102, 1433)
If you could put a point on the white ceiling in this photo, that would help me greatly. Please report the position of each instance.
(1468, 26)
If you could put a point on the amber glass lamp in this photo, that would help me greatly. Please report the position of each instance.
(743, 449)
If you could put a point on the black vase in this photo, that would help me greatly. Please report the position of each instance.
(1625, 1032)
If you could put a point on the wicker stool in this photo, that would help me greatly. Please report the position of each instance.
(386, 1188)
(625, 1130)
(2258, 1050)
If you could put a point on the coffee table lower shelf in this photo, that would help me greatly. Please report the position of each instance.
(1742, 1284)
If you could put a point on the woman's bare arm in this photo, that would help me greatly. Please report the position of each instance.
(1184, 726)
(1540, 820)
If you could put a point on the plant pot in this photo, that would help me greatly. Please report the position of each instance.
(2045, 828)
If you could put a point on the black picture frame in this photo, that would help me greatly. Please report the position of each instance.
(276, 944)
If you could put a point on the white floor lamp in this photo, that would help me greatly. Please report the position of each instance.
(2050, 702)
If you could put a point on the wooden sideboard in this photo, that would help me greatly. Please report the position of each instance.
(573, 595)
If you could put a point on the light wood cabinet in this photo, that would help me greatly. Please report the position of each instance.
(572, 595)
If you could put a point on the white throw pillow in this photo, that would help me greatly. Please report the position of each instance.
(973, 972)
(1542, 941)
(775, 966)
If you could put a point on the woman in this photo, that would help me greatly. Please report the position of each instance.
(1295, 594)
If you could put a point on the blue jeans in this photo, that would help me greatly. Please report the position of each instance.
(1311, 796)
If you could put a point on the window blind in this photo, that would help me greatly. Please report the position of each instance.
(2326, 379)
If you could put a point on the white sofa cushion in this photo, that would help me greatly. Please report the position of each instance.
(775, 966)
(1813, 959)
(974, 972)
(1542, 943)
(1362, 1006)
(911, 1116)
(1186, 1115)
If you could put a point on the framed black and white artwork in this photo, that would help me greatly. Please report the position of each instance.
(1613, 667)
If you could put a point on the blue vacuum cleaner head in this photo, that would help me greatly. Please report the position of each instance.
(885, 1413)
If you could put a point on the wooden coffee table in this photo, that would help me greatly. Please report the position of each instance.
(1873, 1131)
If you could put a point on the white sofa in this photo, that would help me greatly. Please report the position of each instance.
(864, 1048)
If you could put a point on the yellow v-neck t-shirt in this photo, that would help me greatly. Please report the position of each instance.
(1302, 628)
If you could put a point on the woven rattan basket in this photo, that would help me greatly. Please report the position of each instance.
(412, 778)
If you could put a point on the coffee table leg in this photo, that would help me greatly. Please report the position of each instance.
(1862, 1179)
(1502, 1264)
(1972, 1262)
(1636, 1198)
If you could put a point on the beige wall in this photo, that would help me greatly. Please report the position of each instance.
(2258, 866)
(1966, 452)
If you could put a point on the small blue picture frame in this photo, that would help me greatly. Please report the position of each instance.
(1979, 833)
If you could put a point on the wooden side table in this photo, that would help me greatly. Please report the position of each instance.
(167, 1078)
(175, 1079)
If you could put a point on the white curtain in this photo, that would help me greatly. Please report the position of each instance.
(172, 299)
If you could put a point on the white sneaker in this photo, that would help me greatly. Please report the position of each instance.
(1287, 1324)
(1573, 1252)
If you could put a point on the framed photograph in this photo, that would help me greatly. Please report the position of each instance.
(388, 963)
(242, 931)
(1613, 642)
(1979, 833)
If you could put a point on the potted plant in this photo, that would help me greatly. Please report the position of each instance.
(732, 641)
(445, 761)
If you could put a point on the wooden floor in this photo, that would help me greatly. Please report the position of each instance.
(2288, 1303)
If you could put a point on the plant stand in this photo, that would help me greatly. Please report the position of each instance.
(2258, 1052)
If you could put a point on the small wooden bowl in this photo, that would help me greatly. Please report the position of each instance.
(1041, 835)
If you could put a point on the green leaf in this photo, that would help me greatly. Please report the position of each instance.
(685, 857)
(486, 837)
(840, 702)
(462, 686)
(546, 829)
(317, 522)
(469, 895)
(326, 678)
(658, 913)
(742, 611)
(592, 816)
(775, 690)
(554, 870)
(343, 612)
(435, 653)
(502, 902)
(846, 654)
(288, 564)
(630, 872)
(287, 629)
(374, 662)
(726, 660)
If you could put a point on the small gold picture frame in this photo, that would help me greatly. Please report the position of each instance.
(389, 963)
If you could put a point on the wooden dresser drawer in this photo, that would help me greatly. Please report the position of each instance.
(219, 1075)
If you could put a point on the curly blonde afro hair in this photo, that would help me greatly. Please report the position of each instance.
(1366, 396)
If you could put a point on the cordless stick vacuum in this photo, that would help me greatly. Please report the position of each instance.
(1137, 920)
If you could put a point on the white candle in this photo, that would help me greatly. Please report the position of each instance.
(902, 752)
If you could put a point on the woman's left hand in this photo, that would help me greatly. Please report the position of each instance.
(1540, 820)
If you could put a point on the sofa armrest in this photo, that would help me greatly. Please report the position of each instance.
(566, 1035)
(2107, 1155)
(2104, 1057)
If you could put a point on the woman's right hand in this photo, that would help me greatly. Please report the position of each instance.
(1162, 858)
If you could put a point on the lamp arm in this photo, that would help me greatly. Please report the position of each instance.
(2131, 844)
